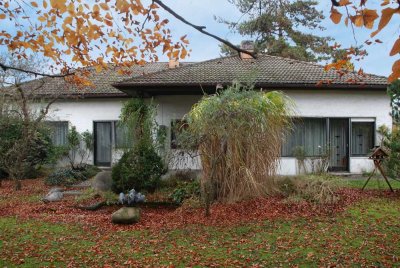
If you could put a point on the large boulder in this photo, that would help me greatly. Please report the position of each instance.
(126, 215)
(102, 181)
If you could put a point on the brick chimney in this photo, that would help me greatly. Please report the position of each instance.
(173, 63)
(247, 45)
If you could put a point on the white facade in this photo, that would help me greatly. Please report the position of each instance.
(355, 105)
(83, 113)
(358, 105)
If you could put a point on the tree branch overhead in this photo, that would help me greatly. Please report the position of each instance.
(202, 29)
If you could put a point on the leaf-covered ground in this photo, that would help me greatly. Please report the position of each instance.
(362, 230)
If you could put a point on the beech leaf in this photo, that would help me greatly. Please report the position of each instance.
(386, 16)
(336, 16)
(396, 48)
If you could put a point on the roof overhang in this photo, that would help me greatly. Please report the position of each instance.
(149, 90)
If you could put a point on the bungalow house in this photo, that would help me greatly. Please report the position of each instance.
(339, 114)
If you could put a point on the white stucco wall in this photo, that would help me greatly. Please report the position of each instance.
(82, 113)
(359, 165)
(175, 107)
(361, 104)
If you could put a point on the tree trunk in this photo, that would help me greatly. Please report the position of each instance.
(207, 198)
(210, 186)
(209, 190)
(17, 185)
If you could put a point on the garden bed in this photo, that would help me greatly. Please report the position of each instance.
(26, 204)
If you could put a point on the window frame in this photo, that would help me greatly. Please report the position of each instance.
(352, 120)
(373, 138)
(325, 119)
(49, 124)
(115, 137)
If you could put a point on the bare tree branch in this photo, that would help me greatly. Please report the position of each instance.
(202, 29)
(352, 26)
(32, 90)
(23, 104)
(45, 111)
(147, 17)
(335, 3)
(6, 67)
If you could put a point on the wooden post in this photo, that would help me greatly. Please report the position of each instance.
(378, 156)
(378, 165)
(370, 176)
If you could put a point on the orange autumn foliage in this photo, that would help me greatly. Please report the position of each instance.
(358, 14)
(75, 34)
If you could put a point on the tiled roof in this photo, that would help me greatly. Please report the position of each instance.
(102, 83)
(156, 78)
(265, 71)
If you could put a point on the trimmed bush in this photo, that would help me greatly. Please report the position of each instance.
(186, 190)
(140, 168)
(64, 177)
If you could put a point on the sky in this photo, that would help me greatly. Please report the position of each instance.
(202, 12)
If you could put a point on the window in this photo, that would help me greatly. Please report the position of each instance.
(362, 138)
(59, 132)
(177, 126)
(309, 133)
(123, 139)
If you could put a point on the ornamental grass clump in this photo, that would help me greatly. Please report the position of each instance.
(239, 134)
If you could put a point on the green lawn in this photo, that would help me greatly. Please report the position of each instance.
(374, 183)
(365, 234)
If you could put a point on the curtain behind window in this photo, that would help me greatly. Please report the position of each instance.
(309, 133)
(362, 138)
(122, 137)
(59, 132)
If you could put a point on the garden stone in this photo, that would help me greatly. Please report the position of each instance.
(53, 197)
(126, 215)
(102, 181)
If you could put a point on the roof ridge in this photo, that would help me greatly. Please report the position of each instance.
(316, 64)
(191, 64)
(194, 64)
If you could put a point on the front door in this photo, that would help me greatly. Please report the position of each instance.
(102, 143)
(339, 144)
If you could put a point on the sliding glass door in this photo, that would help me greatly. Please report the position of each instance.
(317, 136)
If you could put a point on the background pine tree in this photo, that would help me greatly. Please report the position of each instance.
(282, 28)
